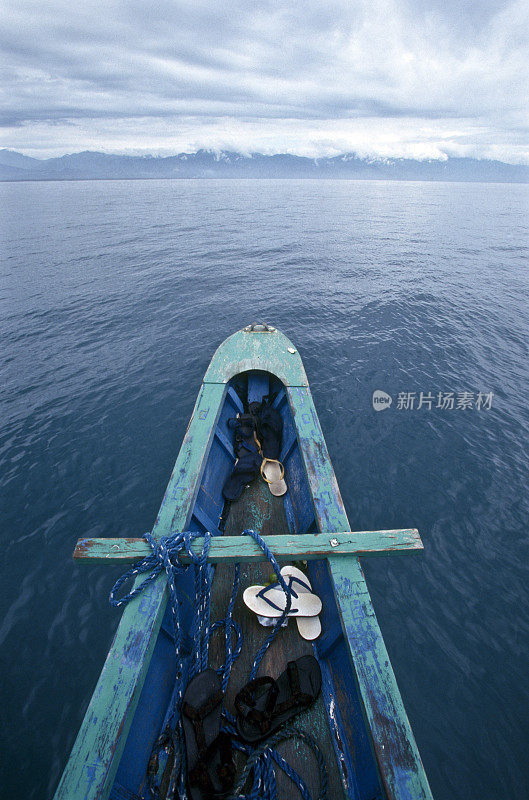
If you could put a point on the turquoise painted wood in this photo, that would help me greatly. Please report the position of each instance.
(95, 756)
(400, 765)
(308, 547)
(270, 352)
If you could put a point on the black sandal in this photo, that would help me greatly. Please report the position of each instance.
(264, 705)
(214, 775)
(210, 767)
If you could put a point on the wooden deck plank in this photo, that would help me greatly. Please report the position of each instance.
(395, 748)
(306, 548)
(259, 510)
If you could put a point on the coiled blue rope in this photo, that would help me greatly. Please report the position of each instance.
(259, 766)
(261, 760)
(165, 557)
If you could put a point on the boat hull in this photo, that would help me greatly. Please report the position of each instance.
(371, 741)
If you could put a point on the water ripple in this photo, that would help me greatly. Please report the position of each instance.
(114, 297)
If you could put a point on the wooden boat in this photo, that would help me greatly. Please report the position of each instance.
(359, 719)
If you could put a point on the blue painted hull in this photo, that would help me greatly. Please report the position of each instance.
(353, 748)
(373, 746)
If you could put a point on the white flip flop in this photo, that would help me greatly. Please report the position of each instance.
(309, 628)
(266, 601)
(273, 473)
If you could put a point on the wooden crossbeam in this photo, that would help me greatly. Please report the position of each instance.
(308, 547)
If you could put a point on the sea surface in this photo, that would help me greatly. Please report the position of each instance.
(113, 298)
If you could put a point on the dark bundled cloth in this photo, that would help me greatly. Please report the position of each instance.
(270, 427)
(264, 423)
(249, 458)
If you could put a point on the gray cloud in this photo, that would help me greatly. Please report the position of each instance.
(387, 77)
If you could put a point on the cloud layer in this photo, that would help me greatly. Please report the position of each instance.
(419, 78)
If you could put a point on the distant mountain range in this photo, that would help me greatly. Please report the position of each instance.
(207, 164)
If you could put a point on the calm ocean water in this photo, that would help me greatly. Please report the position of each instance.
(114, 296)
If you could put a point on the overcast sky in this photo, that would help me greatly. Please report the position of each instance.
(417, 78)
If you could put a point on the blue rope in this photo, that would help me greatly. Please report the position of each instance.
(165, 557)
(277, 627)
(201, 608)
(261, 760)
(229, 624)
(259, 766)
(155, 563)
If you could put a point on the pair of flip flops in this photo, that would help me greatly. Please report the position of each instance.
(210, 765)
(269, 602)
(264, 705)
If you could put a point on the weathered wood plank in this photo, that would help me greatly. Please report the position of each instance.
(400, 765)
(263, 512)
(90, 771)
(242, 548)
(245, 351)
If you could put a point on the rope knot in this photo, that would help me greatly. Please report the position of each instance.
(164, 556)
